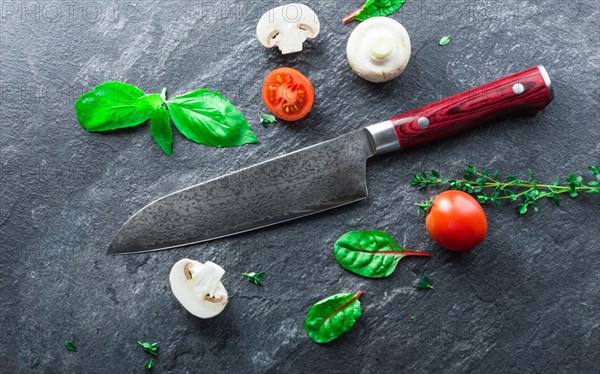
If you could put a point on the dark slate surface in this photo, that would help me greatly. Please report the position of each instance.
(527, 300)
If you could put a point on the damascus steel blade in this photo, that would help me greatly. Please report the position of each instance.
(308, 181)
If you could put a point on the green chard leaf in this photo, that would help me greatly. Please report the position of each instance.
(372, 254)
(115, 105)
(254, 277)
(445, 40)
(160, 128)
(70, 346)
(149, 364)
(333, 316)
(208, 118)
(374, 8)
(424, 283)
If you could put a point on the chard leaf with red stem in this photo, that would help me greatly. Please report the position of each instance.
(332, 317)
(372, 254)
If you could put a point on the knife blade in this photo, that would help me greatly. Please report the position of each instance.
(320, 177)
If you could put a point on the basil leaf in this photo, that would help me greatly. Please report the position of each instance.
(445, 40)
(208, 118)
(374, 8)
(115, 105)
(333, 316)
(70, 346)
(160, 128)
(372, 254)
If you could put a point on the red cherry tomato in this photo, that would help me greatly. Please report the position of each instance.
(288, 94)
(456, 221)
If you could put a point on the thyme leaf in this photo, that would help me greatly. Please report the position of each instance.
(70, 346)
(445, 40)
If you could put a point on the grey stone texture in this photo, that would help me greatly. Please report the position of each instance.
(526, 301)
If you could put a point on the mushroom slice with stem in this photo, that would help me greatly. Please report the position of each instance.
(198, 287)
(287, 27)
(378, 49)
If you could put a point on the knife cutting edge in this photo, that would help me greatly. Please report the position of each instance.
(320, 177)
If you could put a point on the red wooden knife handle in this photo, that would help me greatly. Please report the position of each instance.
(528, 90)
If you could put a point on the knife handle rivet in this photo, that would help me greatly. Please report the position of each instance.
(423, 122)
(518, 88)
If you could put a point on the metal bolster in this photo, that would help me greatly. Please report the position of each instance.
(383, 137)
(547, 80)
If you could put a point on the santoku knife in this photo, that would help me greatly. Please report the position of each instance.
(320, 177)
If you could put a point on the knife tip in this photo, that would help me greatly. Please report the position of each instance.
(122, 243)
(111, 249)
(117, 246)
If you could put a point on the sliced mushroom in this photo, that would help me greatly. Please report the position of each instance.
(378, 49)
(198, 287)
(287, 27)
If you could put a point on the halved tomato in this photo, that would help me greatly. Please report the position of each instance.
(288, 94)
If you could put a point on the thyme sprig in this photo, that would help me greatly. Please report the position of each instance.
(486, 186)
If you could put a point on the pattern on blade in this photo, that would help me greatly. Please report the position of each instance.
(304, 182)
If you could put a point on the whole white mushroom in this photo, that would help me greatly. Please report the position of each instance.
(379, 49)
(287, 27)
(198, 287)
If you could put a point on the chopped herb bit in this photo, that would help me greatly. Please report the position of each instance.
(413, 317)
(254, 277)
(267, 118)
(424, 283)
(445, 40)
(149, 364)
(71, 346)
(150, 348)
